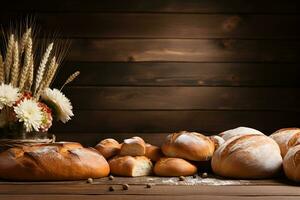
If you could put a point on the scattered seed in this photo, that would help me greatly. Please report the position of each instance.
(195, 176)
(111, 177)
(111, 188)
(148, 185)
(204, 175)
(125, 186)
(90, 180)
(181, 178)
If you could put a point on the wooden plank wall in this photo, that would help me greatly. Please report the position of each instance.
(153, 67)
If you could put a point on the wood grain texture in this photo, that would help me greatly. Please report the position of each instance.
(202, 6)
(188, 50)
(180, 74)
(184, 98)
(210, 122)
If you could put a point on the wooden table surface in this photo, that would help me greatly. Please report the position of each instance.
(161, 188)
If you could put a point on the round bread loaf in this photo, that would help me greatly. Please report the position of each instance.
(217, 140)
(134, 146)
(248, 156)
(49, 162)
(153, 152)
(174, 167)
(108, 147)
(226, 135)
(286, 138)
(188, 145)
(130, 166)
(291, 163)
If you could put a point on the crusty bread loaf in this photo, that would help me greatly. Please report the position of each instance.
(58, 161)
(226, 135)
(130, 166)
(108, 147)
(248, 156)
(286, 138)
(174, 167)
(188, 145)
(153, 152)
(291, 163)
(217, 140)
(134, 146)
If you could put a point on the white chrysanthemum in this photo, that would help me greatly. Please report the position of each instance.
(29, 112)
(59, 103)
(8, 95)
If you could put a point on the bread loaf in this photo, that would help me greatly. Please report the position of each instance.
(174, 167)
(291, 163)
(286, 138)
(108, 147)
(153, 152)
(217, 140)
(49, 162)
(248, 156)
(130, 166)
(134, 146)
(226, 135)
(188, 145)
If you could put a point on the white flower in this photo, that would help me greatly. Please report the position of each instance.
(59, 103)
(8, 95)
(29, 112)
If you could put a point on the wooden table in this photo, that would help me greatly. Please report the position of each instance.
(210, 188)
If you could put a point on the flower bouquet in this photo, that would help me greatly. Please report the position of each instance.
(27, 104)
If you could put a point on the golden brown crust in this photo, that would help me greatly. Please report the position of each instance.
(188, 145)
(174, 167)
(291, 163)
(134, 146)
(153, 152)
(58, 161)
(108, 147)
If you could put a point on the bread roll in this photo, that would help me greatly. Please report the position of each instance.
(130, 166)
(217, 140)
(174, 167)
(153, 152)
(291, 163)
(108, 147)
(226, 135)
(286, 138)
(52, 162)
(188, 145)
(134, 146)
(247, 157)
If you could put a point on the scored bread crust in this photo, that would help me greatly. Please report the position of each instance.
(291, 163)
(248, 156)
(286, 138)
(188, 145)
(174, 167)
(108, 147)
(153, 152)
(134, 146)
(130, 166)
(239, 131)
(57, 161)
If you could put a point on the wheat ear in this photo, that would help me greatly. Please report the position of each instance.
(70, 79)
(1, 70)
(8, 57)
(29, 80)
(27, 59)
(51, 75)
(41, 70)
(24, 40)
(15, 69)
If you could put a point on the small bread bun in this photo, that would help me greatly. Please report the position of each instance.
(249, 156)
(291, 163)
(174, 167)
(52, 162)
(217, 140)
(188, 145)
(130, 166)
(153, 152)
(286, 138)
(108, 147)
(226, 135)
(134, 146)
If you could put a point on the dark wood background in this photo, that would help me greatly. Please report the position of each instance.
(150, 67)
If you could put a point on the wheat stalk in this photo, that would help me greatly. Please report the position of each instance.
(41, 70)
(1, 69)
(27, 59)
(70, 79)
(29, 80)
(24, 40)
(8, 57)
(15, 69)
